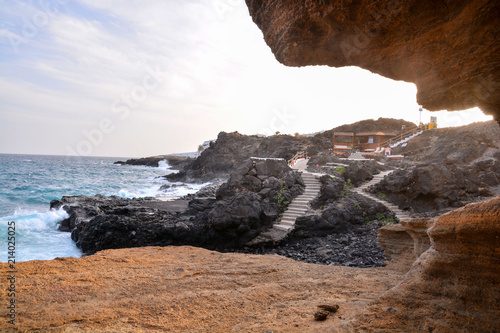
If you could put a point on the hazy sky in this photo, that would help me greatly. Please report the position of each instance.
(138, 78)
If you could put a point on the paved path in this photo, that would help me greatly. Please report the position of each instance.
(377, 179)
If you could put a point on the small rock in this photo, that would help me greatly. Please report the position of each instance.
(321, 315)
(329, 307)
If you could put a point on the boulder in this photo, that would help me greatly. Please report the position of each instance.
(358, 174)
(331, 189)
(341, 216)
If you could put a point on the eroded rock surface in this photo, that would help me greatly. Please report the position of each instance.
(453, 286)
(449, 49)
(225, 155)
(186, 289)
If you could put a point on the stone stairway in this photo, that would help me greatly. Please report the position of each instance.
(376, 179)
(298, 207)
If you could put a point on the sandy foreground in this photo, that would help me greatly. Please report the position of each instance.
(186, 289)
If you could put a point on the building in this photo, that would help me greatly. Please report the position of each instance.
(343, 142)
(370, 141)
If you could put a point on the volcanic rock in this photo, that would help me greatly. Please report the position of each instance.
(243, 210)
(341, 216)
(174, 162)
(230, 150)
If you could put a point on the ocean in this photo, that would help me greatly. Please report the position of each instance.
(29, 182)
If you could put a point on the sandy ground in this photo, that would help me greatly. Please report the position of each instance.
(186, 289)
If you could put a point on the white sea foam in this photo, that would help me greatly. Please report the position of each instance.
(36, 236)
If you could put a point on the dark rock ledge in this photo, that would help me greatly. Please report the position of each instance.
(244, 206)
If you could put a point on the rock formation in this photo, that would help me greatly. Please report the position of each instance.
(448, 167)
(174, 162)
(245, 206)
(186, 289)
(449, 49)
(341, 216)
(224, 156)
(453, 286)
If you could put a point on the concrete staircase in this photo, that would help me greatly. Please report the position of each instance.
(376, 179)
(299, 205)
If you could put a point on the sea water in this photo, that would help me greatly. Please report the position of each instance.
(29, 182)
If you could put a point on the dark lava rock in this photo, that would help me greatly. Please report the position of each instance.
(432, 188)
(340, 217)
(356, 247)
(98, 223)
(230, 150)
(146, 161)
(175, 162)
(357, 174)
(331, 189)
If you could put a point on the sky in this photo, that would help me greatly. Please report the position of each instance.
(140, 78)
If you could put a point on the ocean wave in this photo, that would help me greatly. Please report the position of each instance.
(28, 221)
(36, 236)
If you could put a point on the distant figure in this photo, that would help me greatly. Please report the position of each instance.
(387, 151)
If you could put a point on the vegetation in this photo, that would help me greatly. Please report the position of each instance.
(281, 198)
(340, 169)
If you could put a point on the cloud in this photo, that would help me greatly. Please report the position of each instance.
(88, 58)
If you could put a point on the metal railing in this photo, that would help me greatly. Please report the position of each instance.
(297, 156)
(401, 137)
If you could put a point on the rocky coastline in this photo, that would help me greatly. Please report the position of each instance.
(248, 195)
(382, 266)
(242, 208)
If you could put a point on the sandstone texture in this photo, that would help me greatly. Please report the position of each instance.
(449, 49)
(452, 287)
(186, 289)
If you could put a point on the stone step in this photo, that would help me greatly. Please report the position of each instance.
(283, 227)
(291, 216)
(295, 211)
(304, 197)
(292, 223)
(298, 204)
(296, 207)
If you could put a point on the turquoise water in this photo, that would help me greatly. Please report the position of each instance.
(29, 182)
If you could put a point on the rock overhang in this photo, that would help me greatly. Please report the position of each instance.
(449, 49)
